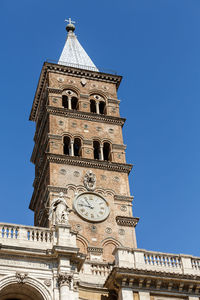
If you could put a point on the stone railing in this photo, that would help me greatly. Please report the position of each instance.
(95, 272)
(27, 235)
(157, 261)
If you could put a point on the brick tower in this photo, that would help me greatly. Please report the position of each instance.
(79, 154)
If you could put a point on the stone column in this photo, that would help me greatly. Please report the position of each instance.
(125, 294)
(97, 107)
(72, 148)
(69, 102)
(101, 152)
(144, 296)
(64, 281)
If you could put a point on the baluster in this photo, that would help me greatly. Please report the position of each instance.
(3, 232)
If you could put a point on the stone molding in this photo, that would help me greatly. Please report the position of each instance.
(95, 249)
(87, 142)
(59, 111)
(118, 147)
(114, 101)
(88, 163)
(153, 281)
(55, 136)
(123, 198)
(127, 221)
(85, 96)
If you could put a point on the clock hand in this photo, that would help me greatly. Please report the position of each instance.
(85, 205)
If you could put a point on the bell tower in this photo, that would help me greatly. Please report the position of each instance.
(79, 154)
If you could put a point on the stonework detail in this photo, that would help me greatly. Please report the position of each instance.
(127, 221)
(64, 279)
(59, 211)
(90, 181)
(21, 277)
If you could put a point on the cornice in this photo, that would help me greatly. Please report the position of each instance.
(127, 221)
(88, 163)
(153, 281)
(114, 101)
(50, 67)
(123, 198)
(59, 111)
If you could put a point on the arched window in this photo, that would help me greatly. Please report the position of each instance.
(77, 147)
(96, 149)
(102, 108)
(67, 145)
(93, 106)
(106, 152)
(74, 103)
(65, 101)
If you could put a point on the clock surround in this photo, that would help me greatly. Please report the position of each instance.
(91, 207)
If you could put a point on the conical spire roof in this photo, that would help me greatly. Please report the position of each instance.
(73, 54)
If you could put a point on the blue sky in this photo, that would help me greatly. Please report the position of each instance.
(155, 45)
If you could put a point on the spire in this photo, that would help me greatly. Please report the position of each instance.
(73, 54)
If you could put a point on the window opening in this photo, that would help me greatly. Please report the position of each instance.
(66, 145)
(96, 147)
(93, 106)
(106, 151)
(77, 147)
(74, 102)
(102, 107)
(65, 101)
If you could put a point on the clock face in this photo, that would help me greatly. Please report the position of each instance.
(91, 207)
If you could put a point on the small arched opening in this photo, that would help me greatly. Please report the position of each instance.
(93, 106)
(74, 103)
(102, 108)
(65, 101)
(77, 147)
(18, 291)
(96, 150)
(67, 146)
(106, 151)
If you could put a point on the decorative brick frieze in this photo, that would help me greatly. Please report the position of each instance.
(127, 221)
(95, 249)
(54, 91)
(59, 111)
(89, 163)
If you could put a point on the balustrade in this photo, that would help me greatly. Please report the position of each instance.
(25, 233)
(157, 261)
(162, 260)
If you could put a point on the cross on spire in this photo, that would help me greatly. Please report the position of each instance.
(70, 21)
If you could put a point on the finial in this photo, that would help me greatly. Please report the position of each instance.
(70, 26)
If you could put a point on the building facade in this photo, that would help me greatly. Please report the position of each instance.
(83, 245)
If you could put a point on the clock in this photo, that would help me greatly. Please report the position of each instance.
(92, 207)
